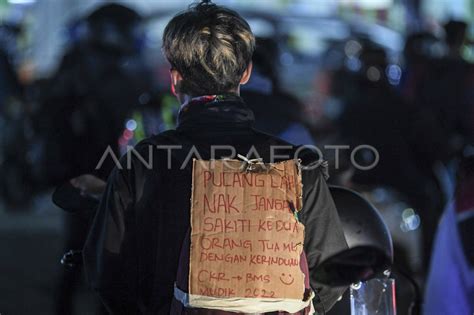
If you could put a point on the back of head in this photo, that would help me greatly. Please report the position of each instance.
(210, 46)
(114, 27)
(455, 33)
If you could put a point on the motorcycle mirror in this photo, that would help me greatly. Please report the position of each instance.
(72, 200)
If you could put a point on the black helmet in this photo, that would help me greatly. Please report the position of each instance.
(114, 26)
(370, 245)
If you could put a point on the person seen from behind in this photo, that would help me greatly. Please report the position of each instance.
(142, 226)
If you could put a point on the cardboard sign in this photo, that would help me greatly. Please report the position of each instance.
(246, 241)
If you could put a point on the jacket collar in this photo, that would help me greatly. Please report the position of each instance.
(215, 112)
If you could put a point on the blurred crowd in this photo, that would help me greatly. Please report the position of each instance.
(418, 114)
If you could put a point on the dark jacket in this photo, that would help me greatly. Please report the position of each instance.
(132, 252)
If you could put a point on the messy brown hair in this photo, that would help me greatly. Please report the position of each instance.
(210, 46)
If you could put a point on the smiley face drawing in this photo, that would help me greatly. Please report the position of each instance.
(287, 279)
